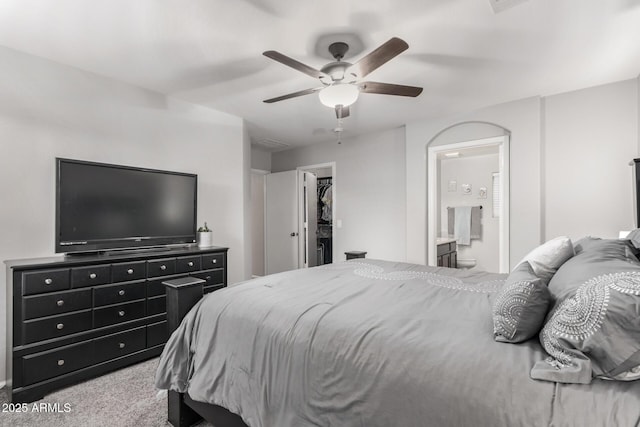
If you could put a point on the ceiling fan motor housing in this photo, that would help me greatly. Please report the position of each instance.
(338, 73)
(338, 50)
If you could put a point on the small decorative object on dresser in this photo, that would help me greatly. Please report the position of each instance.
(205, 236)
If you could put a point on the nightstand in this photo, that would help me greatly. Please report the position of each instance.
(355, 254)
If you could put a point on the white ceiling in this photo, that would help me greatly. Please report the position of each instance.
(210, 52)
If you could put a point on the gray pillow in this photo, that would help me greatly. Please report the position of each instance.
(634, 237)
(593, 329)
(520, 306)
(593, 257)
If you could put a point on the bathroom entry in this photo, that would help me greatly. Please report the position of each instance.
(468, 213)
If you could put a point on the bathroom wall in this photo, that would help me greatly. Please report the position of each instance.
(475, 170)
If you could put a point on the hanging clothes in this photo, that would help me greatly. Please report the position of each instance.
(324, 199)
(326, 202)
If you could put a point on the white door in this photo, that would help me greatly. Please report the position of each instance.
(281, 229)
(308, 219)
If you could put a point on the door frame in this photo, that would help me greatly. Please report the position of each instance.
(502, 142)
(307, 168)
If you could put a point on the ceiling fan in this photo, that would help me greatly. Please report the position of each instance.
(340, 80)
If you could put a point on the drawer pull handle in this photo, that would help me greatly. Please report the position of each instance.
(130, 271)
(60, 362)
(163, 267)
(59, 326)
(121, 292)
(190, 264)
(215, 261)
(48, 281)
(121, 345)
(93, 276)
(121, 313)
(208, 278)
(60, 303)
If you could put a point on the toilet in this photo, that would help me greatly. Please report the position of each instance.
(466, 263)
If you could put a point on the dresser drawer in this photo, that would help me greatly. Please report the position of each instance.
(128, 271)
(156, 305)
(157, 333)
(45, 281)
(115, 294)
(90, 276)
(120, 344)
(161, 267)
(118, 313)
(211, 277)
(48, 364)
(187, 264)
(56, 326)
(56, 303)
(213, 261)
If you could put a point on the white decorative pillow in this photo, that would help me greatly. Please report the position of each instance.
(548, 257)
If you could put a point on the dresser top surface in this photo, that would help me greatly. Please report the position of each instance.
(111, 257)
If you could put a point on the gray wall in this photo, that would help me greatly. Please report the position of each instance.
(48, 110)
(590, 137)
(260, 159)
(369, 192)
(569, 172)
(257, 223)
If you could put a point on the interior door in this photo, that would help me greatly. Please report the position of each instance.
(308, 219)
(281, 217)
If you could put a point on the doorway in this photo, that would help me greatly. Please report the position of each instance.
(472, 177)
(324, 205)
(299, 211)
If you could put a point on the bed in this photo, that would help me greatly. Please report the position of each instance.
(376, 343)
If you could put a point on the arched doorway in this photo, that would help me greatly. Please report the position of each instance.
(483, 189)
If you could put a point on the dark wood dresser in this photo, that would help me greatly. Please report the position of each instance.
(73, 318)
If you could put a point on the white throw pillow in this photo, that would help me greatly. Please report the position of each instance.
(548, 257)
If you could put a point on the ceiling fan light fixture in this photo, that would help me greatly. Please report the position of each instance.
(339, 94)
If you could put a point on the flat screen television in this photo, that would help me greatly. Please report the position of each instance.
(106, 207)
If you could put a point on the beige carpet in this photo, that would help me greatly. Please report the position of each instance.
(122, 398)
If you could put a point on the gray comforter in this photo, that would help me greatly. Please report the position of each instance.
(374, 343)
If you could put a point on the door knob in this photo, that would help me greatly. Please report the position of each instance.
(293, 234)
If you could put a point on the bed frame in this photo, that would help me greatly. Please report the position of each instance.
(182, 410)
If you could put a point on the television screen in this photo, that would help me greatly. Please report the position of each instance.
(101, 206)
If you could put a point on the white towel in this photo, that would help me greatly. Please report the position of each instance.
(462, 227)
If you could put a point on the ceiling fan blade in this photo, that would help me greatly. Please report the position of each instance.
(381, 55)
(296, 65)
(293, 95)
(342, 112)
(389, 89)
